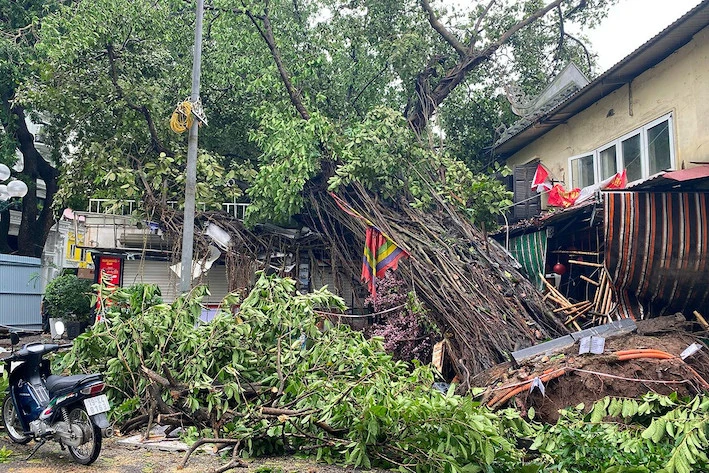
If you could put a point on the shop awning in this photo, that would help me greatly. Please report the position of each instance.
(530, 250)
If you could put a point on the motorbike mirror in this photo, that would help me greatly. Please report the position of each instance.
(14, 338)
(59, 328)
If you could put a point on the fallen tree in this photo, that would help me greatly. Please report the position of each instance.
(480, 302)
(267, 379)
(270, 380)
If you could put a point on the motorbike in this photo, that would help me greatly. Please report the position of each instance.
(41, 406)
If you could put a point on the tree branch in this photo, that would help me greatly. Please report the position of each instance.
(419, 115)
(560, 44)
(583, 46)
(142, 109)
(369, 82)
(267, 34)
(477, 30)
(443, 31)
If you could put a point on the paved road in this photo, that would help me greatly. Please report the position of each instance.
(116, 458)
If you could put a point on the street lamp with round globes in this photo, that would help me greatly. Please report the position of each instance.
(17, 188)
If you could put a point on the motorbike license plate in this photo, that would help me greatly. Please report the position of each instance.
(96, 405)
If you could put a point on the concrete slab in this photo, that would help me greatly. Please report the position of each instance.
(619, 327)
(616, 328)
(546, 348)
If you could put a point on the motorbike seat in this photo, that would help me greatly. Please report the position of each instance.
(63, 384)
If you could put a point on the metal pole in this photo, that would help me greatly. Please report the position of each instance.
(191, 173)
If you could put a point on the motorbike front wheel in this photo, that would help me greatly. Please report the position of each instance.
(12, 422)
(87, 452)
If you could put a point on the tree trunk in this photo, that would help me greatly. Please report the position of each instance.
(36, 223)
(4, 231)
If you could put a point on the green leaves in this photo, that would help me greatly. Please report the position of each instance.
(659, 433)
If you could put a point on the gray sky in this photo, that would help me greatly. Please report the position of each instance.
(631, 23)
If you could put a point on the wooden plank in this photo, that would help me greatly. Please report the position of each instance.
(555, 294)
(438, 353)
(599, 291)
(571, 306)
(607, 298)
(579, 313)
(609, 303)
(701, 320)
(586, 263)
(558, 301)
(578, 308)
(589, 280)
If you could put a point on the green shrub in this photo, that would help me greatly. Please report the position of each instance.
(68, 297)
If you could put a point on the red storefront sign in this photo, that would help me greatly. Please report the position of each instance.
(109, 271)
(109, 276)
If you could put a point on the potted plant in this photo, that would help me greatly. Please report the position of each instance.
(69, 298)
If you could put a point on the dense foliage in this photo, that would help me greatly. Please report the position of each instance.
(340, 397)
(103, 77)
(657, 433)
(380, 411)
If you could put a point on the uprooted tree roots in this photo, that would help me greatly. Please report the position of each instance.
(476, 297)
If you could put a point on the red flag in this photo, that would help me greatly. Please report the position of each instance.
(541, 181)
(559, 197)
(619, 181)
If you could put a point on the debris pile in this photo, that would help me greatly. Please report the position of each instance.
(268, 380)
(585, 313)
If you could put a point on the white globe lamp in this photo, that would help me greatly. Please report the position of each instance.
(17, 189)
(4, 172)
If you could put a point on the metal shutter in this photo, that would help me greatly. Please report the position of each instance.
(159, 272)
(152, 272)
(217, 283)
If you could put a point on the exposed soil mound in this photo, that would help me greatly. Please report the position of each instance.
(630, 366)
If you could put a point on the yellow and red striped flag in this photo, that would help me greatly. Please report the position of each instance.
(380, 254)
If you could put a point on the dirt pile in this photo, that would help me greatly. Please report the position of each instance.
(630, 366)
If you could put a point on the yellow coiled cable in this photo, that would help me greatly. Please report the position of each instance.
(181, 119)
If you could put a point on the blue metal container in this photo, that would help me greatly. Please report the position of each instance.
(20, 292)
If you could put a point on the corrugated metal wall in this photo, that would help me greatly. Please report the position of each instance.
(20, 291)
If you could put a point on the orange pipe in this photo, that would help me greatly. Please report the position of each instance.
(640, 350)
(504, 397)
(635, 356)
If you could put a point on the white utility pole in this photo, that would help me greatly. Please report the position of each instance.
(191, 173)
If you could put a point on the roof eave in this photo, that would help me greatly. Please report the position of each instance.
(654, 51)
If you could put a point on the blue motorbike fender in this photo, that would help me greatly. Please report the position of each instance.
(100, 420)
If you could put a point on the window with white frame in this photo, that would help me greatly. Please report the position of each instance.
(642, 153)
